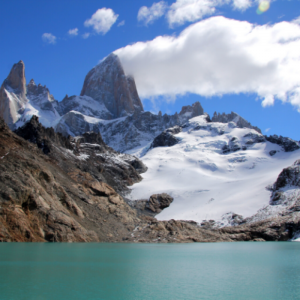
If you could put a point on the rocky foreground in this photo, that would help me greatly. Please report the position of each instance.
(59, 189)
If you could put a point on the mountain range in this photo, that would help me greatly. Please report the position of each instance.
(97, 167)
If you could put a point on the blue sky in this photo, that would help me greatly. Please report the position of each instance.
(205, 53)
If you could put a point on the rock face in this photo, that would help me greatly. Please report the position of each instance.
(166, 138)
(86, 152)
(287, 144)
(192, 111)
(107, 84)
(233, 117)
(40, 96)
(85, 105)
(12, 94)
(152, 206)
(44, 138)
(289, 177)
(125, 133)
(158, 202)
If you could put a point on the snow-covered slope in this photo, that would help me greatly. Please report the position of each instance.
(216, 168)
(85, 105)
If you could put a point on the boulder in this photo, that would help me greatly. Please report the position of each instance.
(158, 202)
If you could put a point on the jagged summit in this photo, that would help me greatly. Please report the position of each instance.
(108, 84)
(18, 102)
(16, 79)
(12, 94)
(233, 117)
(109, 103)
(193, 110)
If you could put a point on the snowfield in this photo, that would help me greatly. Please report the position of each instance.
(205, 183)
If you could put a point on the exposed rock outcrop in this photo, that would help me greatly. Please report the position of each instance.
(108, 84)
(192, 111)
(289, 176)
(166, 138)
(87, 153)
(286, 143)
(124, 133)
(40, 96)
(233, 117)
(85, 105)
(158, 202)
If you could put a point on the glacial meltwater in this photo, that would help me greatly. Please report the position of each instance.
(150, 271)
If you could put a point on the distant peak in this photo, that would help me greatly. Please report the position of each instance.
(108, 84)
(31, 82)
(16, 78)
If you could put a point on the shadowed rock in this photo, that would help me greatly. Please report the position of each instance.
(287, 144)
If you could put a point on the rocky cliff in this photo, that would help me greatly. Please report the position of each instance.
(13, 95)
(108, 84)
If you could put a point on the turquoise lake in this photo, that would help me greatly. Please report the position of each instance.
(150, 271)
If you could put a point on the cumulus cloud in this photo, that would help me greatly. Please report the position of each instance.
(73, 32)
(219, 56)
(149, 15)
(102, 20)
(49, 38)
(86, 35)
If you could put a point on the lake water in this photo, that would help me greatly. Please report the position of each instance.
(150, 271)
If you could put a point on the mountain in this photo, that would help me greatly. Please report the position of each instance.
(13, 95)
(63, 179)
(108, 103)
(18, 102)
(213, 170)
(108, 84)
(55, 189)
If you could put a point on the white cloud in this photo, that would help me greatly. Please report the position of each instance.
(122, 23)
(102, 20)
(49, 38)
(268, 129)
(183, 11)
(297, 20)
(73, 32)
(242, 4)
(219, 56)
(86, 35)
(149, 15)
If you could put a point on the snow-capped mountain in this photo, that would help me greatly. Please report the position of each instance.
(18, 102)
(213, 169)
(13, 95)
(221, 168)
(109, 103)
(108, 84)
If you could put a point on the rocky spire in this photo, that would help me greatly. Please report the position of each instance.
(108, 84)
(192, 111)
(16, 79)
(13, 94)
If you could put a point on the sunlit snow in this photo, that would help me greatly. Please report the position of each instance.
(206, 183)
